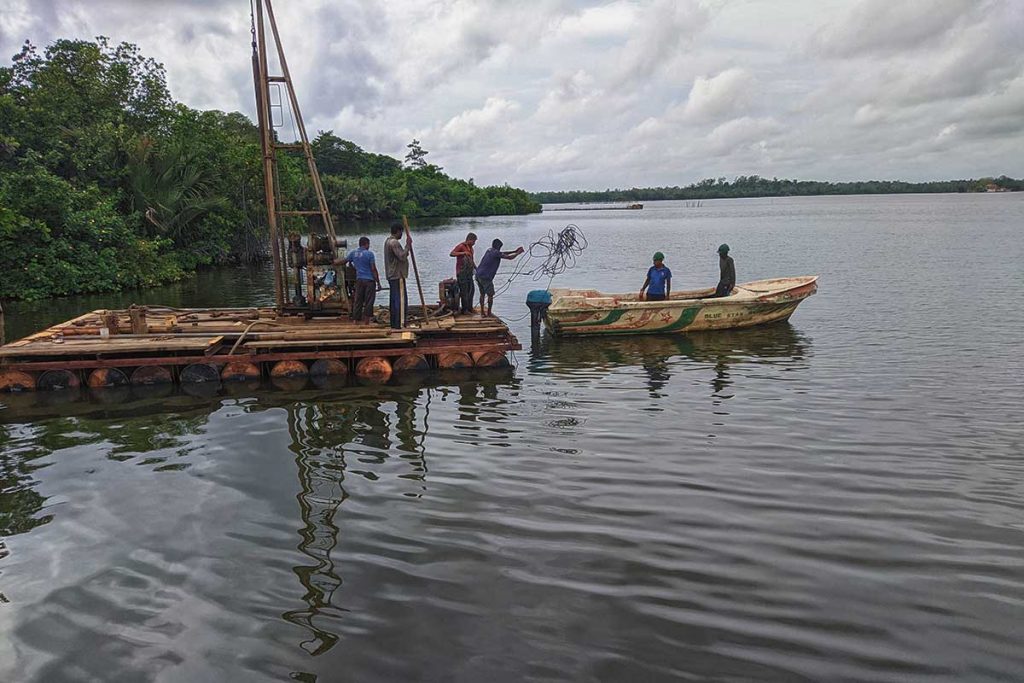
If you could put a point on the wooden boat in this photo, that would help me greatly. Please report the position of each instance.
(587, 311)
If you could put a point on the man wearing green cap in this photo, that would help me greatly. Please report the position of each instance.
(659, 280)
(727, 272)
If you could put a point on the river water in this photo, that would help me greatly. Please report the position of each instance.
(836, 498)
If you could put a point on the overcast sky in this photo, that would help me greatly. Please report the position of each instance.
(559, 94)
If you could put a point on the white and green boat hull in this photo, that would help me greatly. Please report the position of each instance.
(589, 312)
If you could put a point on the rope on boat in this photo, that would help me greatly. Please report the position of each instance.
(557, 252)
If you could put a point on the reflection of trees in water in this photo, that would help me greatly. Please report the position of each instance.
(130, 431)
(333, 433)
(20, 503)
(722, 350)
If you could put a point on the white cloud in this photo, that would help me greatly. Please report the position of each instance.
(740, 132)
(663, 32)
(887, 27)
(718, 95)
(613, 19)
(572, 93)
(475, 123)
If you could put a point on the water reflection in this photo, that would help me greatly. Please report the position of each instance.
(316, 431)
(344, 438)
(333, 432)
(660, 356)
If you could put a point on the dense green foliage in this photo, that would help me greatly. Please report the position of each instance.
(756, 186)
(363, 185)
(107, 183)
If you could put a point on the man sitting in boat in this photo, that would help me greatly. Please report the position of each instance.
(727, 272)
(659, 280)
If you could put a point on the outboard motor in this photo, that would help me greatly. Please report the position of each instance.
(537, 301)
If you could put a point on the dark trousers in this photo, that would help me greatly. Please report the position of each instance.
(362, 305)
(723, 289)
(466, 291)
(655, 297)
(397, 302)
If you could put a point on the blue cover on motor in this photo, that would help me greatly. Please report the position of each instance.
(539, 296)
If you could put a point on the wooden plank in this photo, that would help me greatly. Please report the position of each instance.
(505, 343)
(381, 341)
(468, 331)
(79, 346)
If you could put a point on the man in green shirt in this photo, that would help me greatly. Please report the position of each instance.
(727, 272)
(396, 269)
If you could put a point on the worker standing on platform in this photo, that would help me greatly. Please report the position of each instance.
(465, 266)
(396, 269)
(727, 272)
(367, 281)
(486, 271)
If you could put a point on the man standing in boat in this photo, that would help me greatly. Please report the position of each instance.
(396, 270)
(659, 280)
(727, 272)
(486, 271)
(465, 266)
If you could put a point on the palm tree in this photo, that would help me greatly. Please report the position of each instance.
(171, 186)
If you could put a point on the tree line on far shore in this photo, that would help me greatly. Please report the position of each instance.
(756, 186)
(107, 183)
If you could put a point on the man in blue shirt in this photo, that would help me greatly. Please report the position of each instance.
(659, 280)
(486, 271)
(367, 281)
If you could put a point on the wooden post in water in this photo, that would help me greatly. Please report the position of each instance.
(3, 337)
(415, 270)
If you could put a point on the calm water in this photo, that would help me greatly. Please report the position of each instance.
(839, 498)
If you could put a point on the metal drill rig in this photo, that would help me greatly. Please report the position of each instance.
(303, 245)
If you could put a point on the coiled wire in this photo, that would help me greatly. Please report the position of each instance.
(556, 253)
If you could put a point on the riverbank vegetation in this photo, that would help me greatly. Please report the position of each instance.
(756, 186)
(107, 183)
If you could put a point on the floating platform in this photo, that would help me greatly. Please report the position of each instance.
(627, 207)
(146, 345)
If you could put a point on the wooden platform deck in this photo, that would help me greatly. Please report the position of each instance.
(148, 345)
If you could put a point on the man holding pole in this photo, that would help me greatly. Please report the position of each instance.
(396, 268)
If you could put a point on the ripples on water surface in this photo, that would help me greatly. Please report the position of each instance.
(839, 498)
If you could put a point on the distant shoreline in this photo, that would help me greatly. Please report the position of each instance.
(755, 186)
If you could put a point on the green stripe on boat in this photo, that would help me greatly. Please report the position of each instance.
(686, 317)
(612, 317)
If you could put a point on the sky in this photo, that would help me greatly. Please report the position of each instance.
(566, 94)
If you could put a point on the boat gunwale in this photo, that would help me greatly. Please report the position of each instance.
(805, 281)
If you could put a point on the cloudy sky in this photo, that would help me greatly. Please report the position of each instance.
(559, 94)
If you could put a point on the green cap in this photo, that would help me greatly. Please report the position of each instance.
(723, 249)
(658, 256)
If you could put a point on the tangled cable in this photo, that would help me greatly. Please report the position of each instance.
(557, 252)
